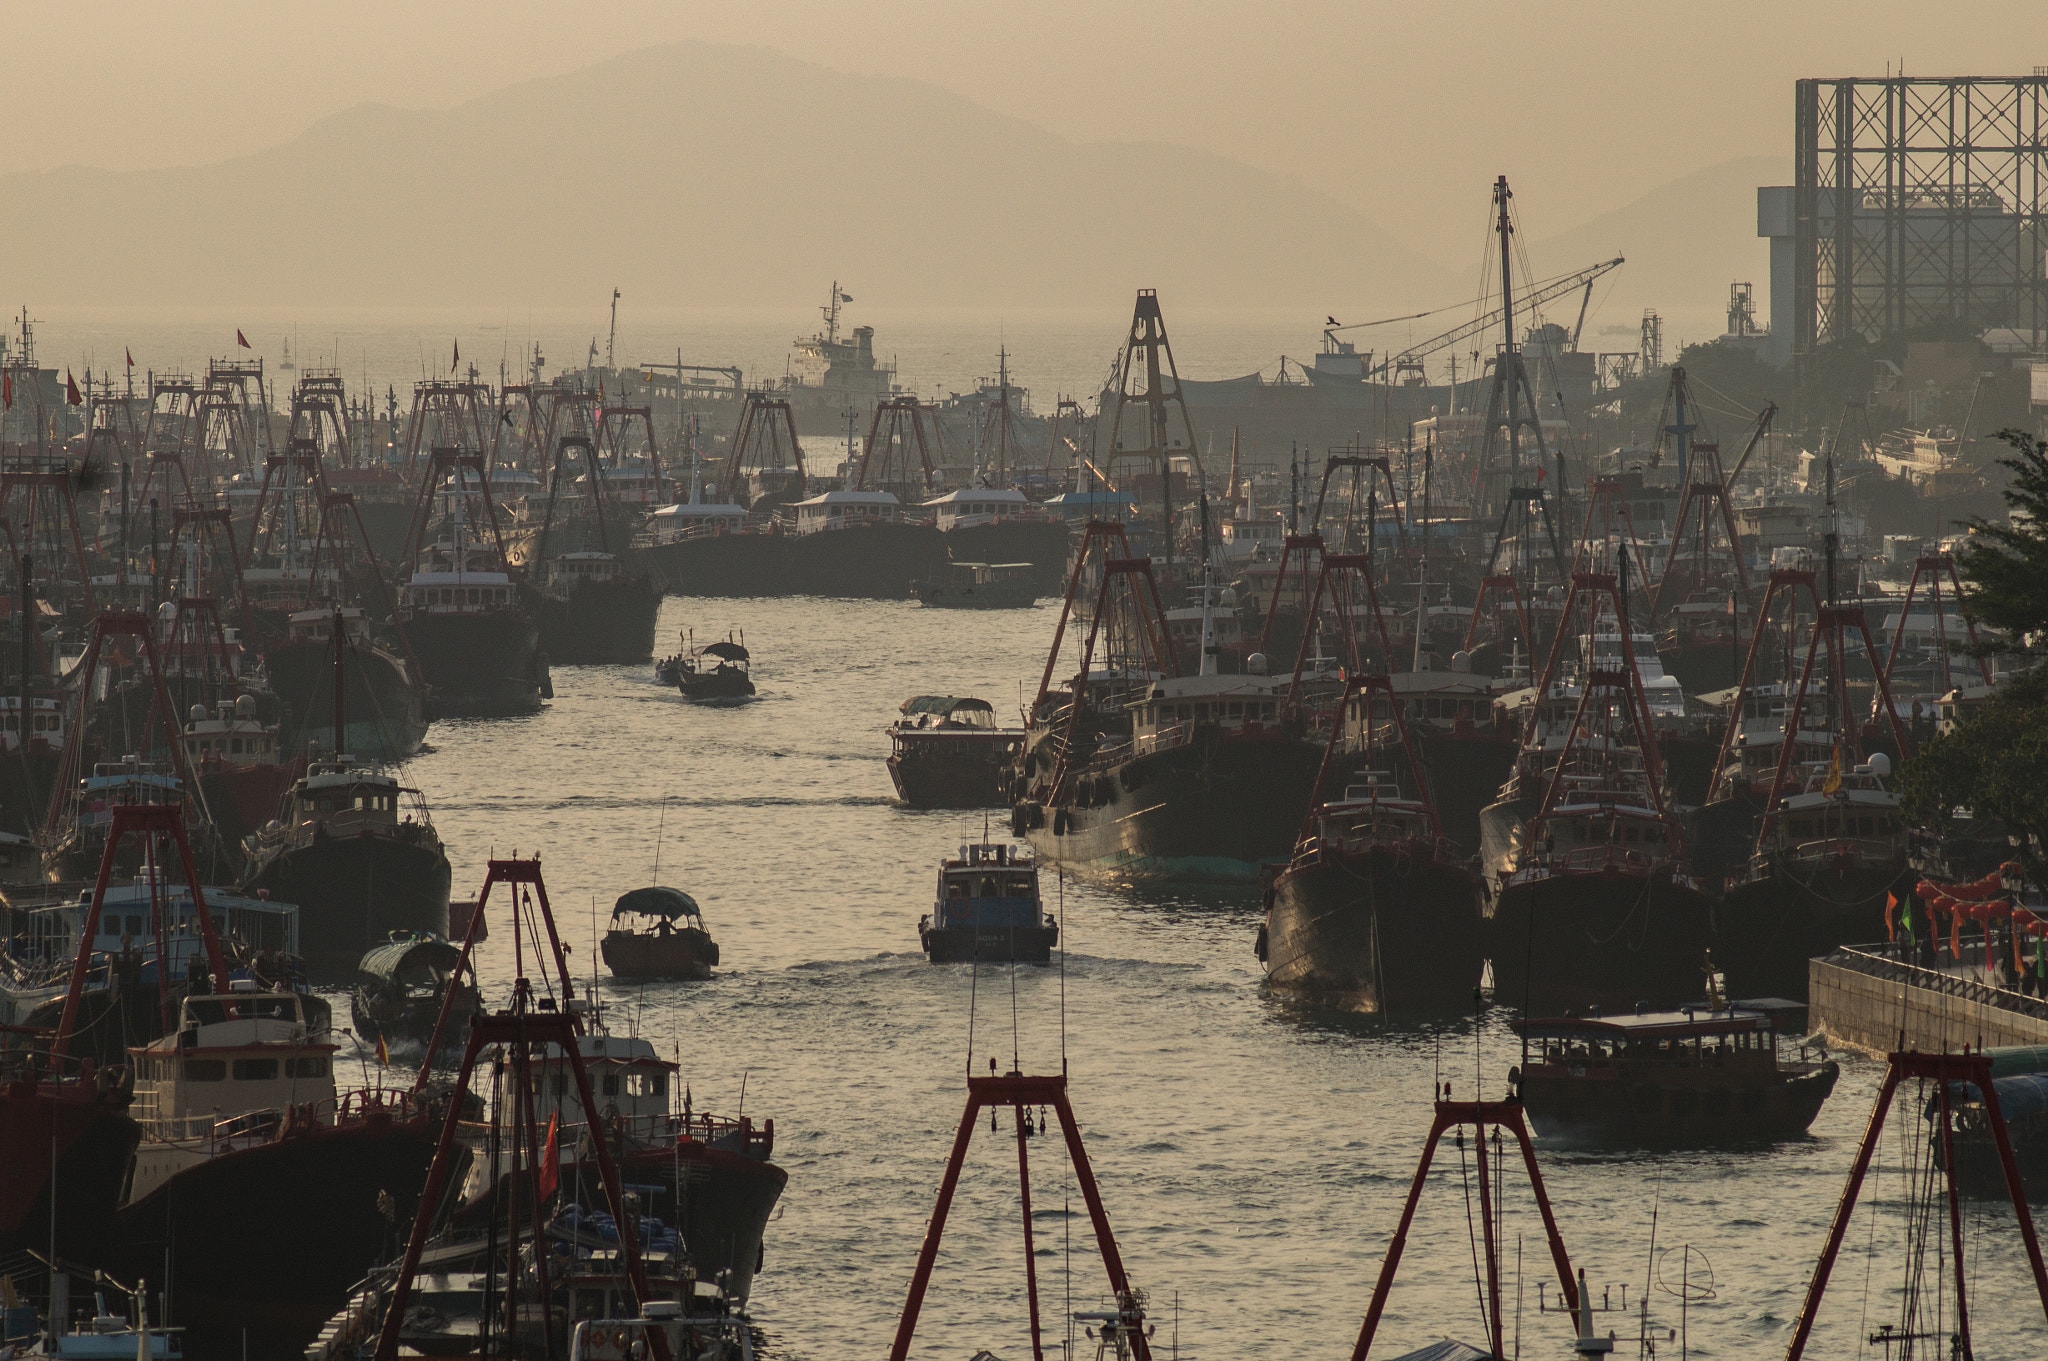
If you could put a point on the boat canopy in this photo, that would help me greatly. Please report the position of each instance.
(2022, 1096)
(433, 952)
(731, 652)
(1691, 1023)
(945, 705)
(656, 902)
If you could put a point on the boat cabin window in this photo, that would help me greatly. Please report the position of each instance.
(611, 1084)
(305, 1067)
(647, 1084)
(255, 1070)
(206, 1070)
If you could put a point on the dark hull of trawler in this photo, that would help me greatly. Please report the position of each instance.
(952, 770)
(1383, 930)
(481, 665)
(718, 1199)
(1216, 808)
(264, 1243)
(1674, 1107)
(1604, 938)
(25, 786)
(1772, 925)
(243, 798)
(1688, 765)
(1042, 543)
(1465, 773)
(91, 1143)
(353, 892)
(876, 561)
(720, 565)
(601, 623)
(385, 713)
(1701, 667)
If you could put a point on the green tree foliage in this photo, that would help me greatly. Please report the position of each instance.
(2005, 566)
(1995, 763)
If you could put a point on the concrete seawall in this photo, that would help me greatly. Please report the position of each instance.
(1861, 999)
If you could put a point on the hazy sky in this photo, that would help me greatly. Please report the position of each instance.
(1398, 109)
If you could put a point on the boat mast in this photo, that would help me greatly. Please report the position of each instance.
(340, 705)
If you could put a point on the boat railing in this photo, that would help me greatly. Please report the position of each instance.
(1600, 858)
(1829, 851)
(1883, 960)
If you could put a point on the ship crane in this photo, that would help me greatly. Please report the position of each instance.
(1549, 291)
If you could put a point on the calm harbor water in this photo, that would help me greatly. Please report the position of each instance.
(1253, 1154)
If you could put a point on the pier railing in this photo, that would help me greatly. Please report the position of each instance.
(1881, 961)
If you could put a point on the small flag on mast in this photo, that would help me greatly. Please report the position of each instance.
(71, 390)
(456, 362)
(242, 340)
(131, 356)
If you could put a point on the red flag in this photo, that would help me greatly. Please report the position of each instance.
(549, 1175)
(71, 390)
(243, 341)
(456, 362)
(131, 359)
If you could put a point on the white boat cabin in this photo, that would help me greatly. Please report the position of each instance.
(226, 1076)
(972, 506)
(317, 626)
(843, 508)
(49, 930)
(692, 519)
(232, 736)
(1175, 707)
(46, 722)
(568, 570)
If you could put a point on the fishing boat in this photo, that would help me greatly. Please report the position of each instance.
(404, 985)
(1139, 770)
(658, 933)
(1709, 1074)
(979, 586)
(990, 524)
(593, 610)
(358, 853)
(241, 1117)
(1378, 910)
(1590, 898)
(236, 756)
(988, 909)
(947, 752)
(477, 643)
(716, 673)
(384, 702)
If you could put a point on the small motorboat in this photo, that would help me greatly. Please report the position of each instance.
(716, 673)
(1704, 1074)
(988, 909)
(658, 933)
(403, 986)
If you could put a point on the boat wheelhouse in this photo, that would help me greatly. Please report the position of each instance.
(845, 509)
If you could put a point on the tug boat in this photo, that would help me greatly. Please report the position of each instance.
(947, 752)
(716, 673)
(658, 933)
(988, 910)
(1699, 1075)
(404, 986)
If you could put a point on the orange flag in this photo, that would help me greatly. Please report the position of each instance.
(243, 341)
(549, 1174)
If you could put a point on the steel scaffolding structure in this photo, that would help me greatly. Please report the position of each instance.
(1919, 200)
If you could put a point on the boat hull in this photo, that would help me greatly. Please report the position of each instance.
(876, 561)
(688, 954)
(265, 1242)
(385, 714)
(482, 665)
(1681, 1107)
(1773, 925)
(1376, 931)
(989, 944)
(720, 565)
(1213, 809)
(720, 1202)
(1042, 543)
(1606, 939)
(953, 769)
(601, 623)
(353, 892)
(92, 1142)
